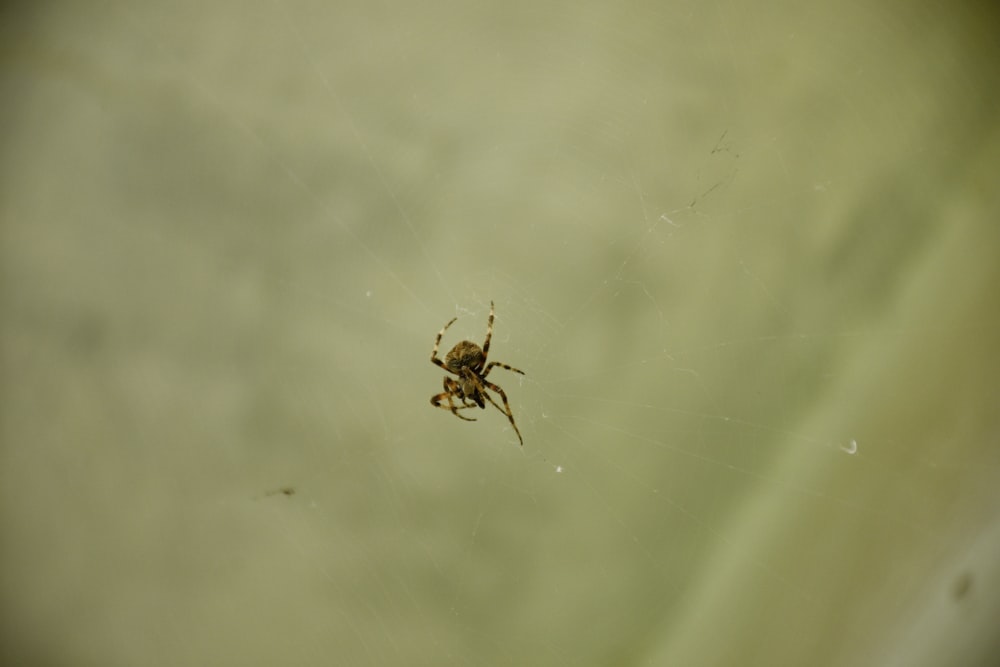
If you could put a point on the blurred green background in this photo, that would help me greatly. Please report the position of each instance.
(746, 253)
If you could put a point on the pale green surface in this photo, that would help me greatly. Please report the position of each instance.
(724, 242)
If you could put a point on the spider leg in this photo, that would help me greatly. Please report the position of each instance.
(506, 405)
(489, 334)
(451, 390)
(436, 402)
(437, 343)
(501, 365)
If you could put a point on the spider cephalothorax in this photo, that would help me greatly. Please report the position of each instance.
(468, 361)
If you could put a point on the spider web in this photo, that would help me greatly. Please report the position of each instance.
(754, 407)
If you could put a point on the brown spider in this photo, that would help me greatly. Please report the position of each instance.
(466, 360)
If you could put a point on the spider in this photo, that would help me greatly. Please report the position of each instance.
(467, 360)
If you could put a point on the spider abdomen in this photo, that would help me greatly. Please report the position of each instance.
(465, 355)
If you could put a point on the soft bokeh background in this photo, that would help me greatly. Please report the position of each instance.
(747, 254)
